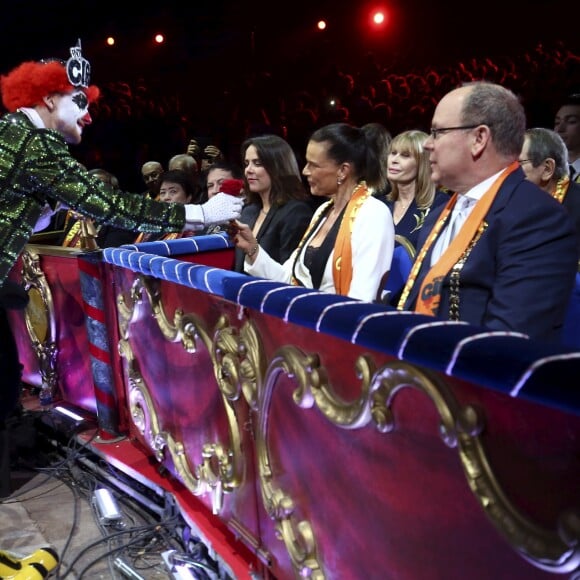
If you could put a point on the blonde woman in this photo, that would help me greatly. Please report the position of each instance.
(413, 194)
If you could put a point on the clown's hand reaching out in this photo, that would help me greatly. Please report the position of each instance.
(219, 209)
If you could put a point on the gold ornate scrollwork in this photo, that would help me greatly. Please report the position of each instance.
(221, 468)
(552, 550)
(556, 551)
(239, 361)
(348, 414)
(460, 427)
(40, 322)
(171, 331)
(128, 308)
(298, 536)
(147, 422)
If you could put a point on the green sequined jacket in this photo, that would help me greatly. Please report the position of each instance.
(36, 168)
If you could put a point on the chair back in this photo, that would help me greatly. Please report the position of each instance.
(401, 264)
(571, 329)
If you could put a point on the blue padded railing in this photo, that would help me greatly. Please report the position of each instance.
(181, 246)
(196, 276)
(504, 361)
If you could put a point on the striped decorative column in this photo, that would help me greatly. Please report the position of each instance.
(99, 347)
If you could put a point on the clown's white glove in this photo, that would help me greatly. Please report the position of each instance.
(221, 208)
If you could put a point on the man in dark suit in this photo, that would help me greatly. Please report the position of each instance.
(501, 254)
(544, 159)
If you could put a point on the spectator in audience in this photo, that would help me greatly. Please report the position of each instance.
(215, 176)
(501, 254)
(544, 159)
(217, 173)
(184, 162)
(567, 125)
(413, 194)
(105, 176)
(175, 186)
(207, 157)
(277, 208)
(151, 172)
(376, 132)
(348, 246)
(187, 164)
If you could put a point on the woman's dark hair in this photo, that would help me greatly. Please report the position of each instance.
(279, 160)
(364, 148)
(233, 168)
(183, 179)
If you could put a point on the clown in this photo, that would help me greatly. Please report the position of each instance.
(48, 108)
(48, 104)
(53, 93)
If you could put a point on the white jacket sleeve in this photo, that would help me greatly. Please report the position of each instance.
(265, 266)
(373, 243)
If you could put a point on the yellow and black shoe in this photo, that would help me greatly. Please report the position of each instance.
(32, 571)
(40, 561)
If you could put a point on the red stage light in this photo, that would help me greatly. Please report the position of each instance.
(378, 17)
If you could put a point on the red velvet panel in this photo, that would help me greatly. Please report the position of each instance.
(75, 384)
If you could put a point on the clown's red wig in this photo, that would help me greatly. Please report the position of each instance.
(28, 83)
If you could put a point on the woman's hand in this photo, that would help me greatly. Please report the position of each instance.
(241, 235)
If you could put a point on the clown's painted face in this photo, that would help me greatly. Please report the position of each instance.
(70, 115)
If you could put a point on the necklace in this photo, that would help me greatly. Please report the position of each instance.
(400, 209)
(264, 212)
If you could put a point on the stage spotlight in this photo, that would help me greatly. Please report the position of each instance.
(378, 17)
